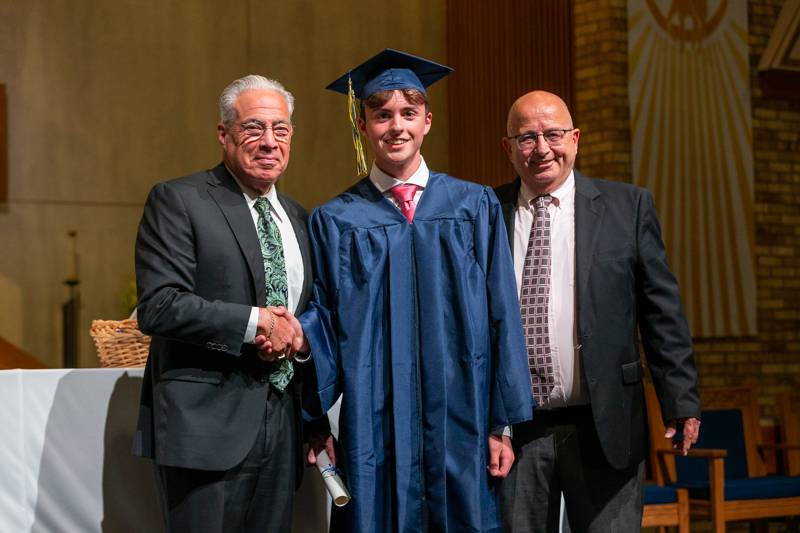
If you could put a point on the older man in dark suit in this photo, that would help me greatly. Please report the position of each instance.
(216, 253)
(591, 268)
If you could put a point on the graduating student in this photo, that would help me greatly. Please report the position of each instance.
(415, 322)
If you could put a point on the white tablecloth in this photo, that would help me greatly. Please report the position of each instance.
(65, 460)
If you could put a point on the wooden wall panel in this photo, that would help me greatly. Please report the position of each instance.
(500, 50)
(3, 146)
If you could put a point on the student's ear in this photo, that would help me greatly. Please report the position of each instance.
(428, 122)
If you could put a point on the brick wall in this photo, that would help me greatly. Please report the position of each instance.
(601, 88)
(601, 111)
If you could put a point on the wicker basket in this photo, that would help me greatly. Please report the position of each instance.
(120, 343)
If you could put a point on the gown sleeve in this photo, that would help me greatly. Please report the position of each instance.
(511, 398)
(319, 319)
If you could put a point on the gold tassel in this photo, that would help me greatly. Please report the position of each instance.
(358, 142)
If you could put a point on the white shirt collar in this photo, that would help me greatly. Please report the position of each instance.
(560, 194)
(251, 195)
(383, 181)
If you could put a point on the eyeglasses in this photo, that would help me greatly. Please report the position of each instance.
(527, 140)
(253, 130)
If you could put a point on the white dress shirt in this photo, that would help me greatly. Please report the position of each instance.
(291, 251)
(568, 389)
(384, 182)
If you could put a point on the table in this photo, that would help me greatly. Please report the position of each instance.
(65, 459)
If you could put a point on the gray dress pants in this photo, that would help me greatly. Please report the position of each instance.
(254, 496)
(557, 452)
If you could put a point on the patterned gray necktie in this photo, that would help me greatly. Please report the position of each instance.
(535, 300)
(275, 276)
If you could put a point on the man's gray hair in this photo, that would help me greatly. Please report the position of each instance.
(251, 82)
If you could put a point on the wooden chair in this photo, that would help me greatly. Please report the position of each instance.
(665, 506)
(789, 434)
(724, 473)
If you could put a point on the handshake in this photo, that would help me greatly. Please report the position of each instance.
(278, 334)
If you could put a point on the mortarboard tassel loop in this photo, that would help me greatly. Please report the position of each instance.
(358, 143)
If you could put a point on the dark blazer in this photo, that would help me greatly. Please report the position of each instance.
(199, 272)
(623, 282)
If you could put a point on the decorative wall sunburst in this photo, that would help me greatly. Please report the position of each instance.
(689, 87)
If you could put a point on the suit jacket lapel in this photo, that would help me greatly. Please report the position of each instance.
(588, 217)
(301, 233)
(508, 198)
(230, 199)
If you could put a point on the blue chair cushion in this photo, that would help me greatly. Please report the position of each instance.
(755, 488)
(655, 494)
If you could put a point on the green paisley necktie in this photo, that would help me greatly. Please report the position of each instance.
(275, 276)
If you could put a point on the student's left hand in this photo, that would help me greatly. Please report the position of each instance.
(501, 455)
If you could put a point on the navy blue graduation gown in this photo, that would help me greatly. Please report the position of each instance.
(418, 327)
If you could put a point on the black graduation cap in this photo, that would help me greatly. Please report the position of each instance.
(391, 69)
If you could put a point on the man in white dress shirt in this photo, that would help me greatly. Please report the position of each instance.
(592, 270)
(217, 252)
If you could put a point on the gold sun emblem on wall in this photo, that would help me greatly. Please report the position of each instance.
(688, 20)
(692, 147)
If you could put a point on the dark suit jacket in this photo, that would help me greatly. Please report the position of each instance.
(199, 271)
(623, 282)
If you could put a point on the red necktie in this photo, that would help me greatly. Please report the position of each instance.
(404, 194)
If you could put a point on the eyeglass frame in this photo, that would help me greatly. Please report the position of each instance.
(265, 127)
(536, 135)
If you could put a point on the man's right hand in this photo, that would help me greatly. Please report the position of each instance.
(278, 344)
(299, 343)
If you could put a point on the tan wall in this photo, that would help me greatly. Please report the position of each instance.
(106, 98)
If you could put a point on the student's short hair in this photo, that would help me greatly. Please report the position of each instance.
(412, 96)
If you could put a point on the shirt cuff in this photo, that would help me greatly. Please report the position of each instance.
(505, 431)
(252, 324)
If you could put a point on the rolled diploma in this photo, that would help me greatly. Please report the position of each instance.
(333, 482)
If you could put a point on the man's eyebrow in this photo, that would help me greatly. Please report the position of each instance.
(263, 123)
